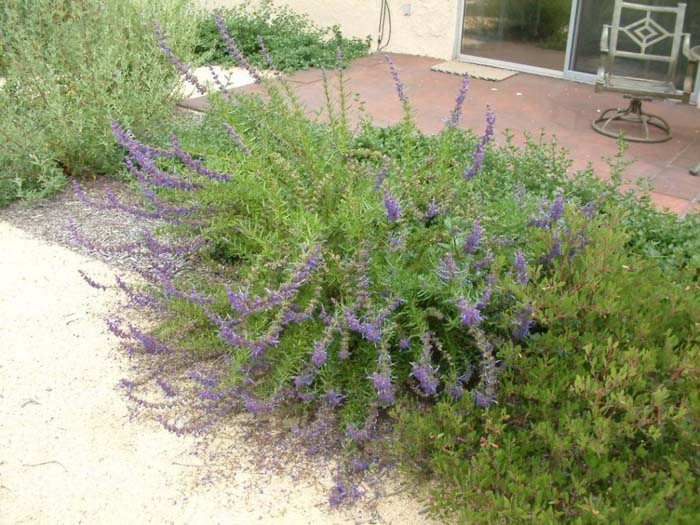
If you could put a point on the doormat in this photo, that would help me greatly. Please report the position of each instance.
(456, 67)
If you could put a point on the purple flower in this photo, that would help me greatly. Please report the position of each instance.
(431, 212)
(196, 165)
(404, 343)
(447, 268)
(459, 103)
(555, 212)
(382, 384)
(521, 268)
(185, 71)
(232, 48)
(523, 322)
(590, 209)
(425, 374)
(265, 53)
(397, 81)
(469, 313)
(486, 297)
(471, 243)
(478, 157)
(333, 398)
(237, 138)
(484, 263)
(554, 251)
(392, 206)
(304, 380)
(381, 175)
(91, 282)
(320, 354)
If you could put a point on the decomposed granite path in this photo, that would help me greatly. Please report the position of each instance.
(70, 454)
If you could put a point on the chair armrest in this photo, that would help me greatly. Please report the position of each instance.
(692, 57)
(604, 53)
(605, 39)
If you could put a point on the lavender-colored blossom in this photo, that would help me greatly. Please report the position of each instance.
(520, 264)
(426, 375)
(486, 296)
(265, 53)
(357, 435)
(196, 165)
(554, 251)
(381, 175)
(478, 158)
(382, 384)
(320, 354)
(469, 313)
(232, 48)
(552, 216)
(91, 281)
(397, 81)
(590, 209)
(459, 103)
(396, 243)
(523, 322)
(472, 242)
(392, 207)
(447, 267)
(237, 139)
(484, 263)
(185, 71)
(404, 343)
(333, 398)
(485, 396)
(218, 82)
(431, 212)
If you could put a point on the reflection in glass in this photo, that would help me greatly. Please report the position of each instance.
(531, 32)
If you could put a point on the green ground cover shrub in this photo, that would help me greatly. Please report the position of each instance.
(294, 41)
(534, 336)
(70, 67)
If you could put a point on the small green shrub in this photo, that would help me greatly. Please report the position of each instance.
(70, 67)
(291, 38)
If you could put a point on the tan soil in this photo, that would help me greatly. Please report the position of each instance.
(69, 452)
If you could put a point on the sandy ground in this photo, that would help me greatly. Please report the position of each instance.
(68, 450)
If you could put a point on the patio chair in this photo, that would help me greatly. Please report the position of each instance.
(648, 31)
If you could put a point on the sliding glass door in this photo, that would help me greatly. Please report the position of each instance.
(528, 32)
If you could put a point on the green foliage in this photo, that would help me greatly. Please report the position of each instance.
(294, 42)
(596, 412)
(71, 66)
(598, 415)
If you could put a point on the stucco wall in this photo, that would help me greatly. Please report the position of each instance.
(429, 30)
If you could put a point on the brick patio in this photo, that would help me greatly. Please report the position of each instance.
(522, 103)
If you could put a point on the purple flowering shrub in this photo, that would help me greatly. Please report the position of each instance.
(376, 272)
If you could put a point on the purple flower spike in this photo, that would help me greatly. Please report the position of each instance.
(557, 210)
(470, 314)
(320, 354)
(397, 81)
(185, 71)
(471, 244)
(520, 264)
(447, 268)
(425, 374)
(478, 157)
(265, 53)
(459, 103)
(523, 322)
(237, 139)
(383, 386)
(392, 206)
(232, 48)
(91, 282)
(554, 252)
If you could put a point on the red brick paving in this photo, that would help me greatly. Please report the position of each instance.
(526, 103)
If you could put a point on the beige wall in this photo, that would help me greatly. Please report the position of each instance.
(429, 30)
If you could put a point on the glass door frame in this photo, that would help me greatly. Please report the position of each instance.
(524, 68)
(567, 73)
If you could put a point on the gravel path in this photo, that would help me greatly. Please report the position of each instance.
(69, 452)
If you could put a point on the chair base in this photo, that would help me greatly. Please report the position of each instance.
(633, 114)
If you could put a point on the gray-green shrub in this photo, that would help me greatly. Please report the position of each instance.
(71, 65)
